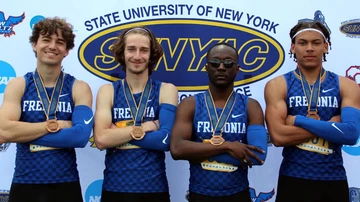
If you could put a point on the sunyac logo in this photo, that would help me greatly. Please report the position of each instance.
(351, 28)
(185, 47)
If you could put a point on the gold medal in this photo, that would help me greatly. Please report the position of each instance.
(313, 115)
(52, 126)
(137, 133)
(217, 140)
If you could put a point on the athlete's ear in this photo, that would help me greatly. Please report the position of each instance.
(292, 48)
(326, 47)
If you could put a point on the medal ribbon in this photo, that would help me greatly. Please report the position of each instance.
(312, 94)
(219, 122)
(49, 104)
(137, 110)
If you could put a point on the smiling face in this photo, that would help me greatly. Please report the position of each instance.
(309, 48)
(50, 49)
(222, 75)
(137, 53)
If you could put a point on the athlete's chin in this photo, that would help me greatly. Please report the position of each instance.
(137, 71)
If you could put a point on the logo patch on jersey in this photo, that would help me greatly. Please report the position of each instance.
(7, 24)
(4, 195)
(184, 52)
(262, 197)
(351, 28)
(220, 167)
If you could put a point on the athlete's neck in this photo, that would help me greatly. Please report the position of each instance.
(49, 75)
(137, 82)
(310, 74)
(220, 95)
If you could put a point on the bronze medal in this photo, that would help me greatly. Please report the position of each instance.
(137, 133)
(52, 126)
(217, 140)
(313, 115)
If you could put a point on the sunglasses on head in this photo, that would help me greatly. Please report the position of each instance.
(228, 63)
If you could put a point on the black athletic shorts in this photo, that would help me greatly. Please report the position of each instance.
(292, 189)
(243, 196)
(59, 192)
(108, 196)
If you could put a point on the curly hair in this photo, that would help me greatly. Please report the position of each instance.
(312, 24)
(50, 26)
(118, 47)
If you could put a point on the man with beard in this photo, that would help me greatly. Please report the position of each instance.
(133, 121)
(220, 133)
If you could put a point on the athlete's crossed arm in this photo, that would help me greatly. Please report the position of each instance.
(160, 139)
(348, 130)
(105, 135)
(276, 114)
(11, 129)
(182, 147)
(77, 134)
(256, 136)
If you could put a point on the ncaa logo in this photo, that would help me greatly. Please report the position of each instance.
(93, 192)
(35, 20)
(185, 48)
(7, 72)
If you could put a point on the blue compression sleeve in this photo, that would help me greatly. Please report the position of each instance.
(75, 137)
(256, 136)
(160, 139)
(346, 132)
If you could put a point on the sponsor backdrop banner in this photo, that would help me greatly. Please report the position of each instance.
(259, 30)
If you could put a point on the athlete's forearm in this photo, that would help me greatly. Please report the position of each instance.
(346, 132)
(287, 135)
(20, 132)
(75, 137)
(197, 151)
(160, 139)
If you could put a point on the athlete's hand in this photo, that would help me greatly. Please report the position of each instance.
(149, 126)
(290, 120)
(243, 152)
(64, 124)
(335, 119)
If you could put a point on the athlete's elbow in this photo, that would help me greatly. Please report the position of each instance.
(5, 136)
(352, 139)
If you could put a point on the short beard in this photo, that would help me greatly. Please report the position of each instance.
(137, 72)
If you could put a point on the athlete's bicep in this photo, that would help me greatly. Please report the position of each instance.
(82, 94)
(103, 119)
(350, 93)
(182, 129)
(255, 112)
(10, 109)
(168, 94)
(276, 108)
